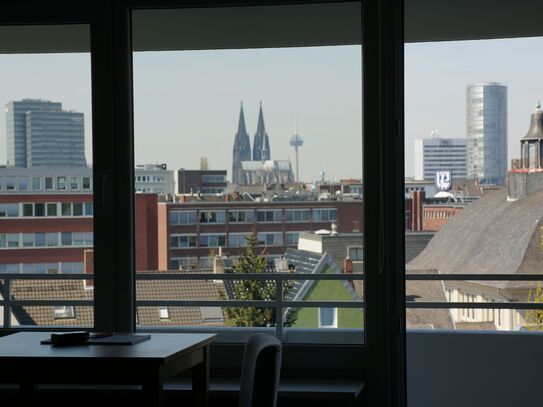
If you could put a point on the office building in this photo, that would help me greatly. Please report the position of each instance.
(154, 179)
(201, 181)
(486, 122)
(41, 134)
(437, 154)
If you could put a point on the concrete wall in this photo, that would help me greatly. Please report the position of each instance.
(451, 369)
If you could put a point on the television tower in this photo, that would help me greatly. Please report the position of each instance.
(296, 141)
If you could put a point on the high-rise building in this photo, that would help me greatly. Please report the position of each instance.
(242, 149)
(16, 127)
(261, 143)
(436, 154)
(41, 134)
(486, 120)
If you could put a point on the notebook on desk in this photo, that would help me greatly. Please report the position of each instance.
(100, 339)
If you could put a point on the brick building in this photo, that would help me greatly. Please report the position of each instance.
(191, 232)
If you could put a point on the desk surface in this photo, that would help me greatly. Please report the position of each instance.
(160, 348)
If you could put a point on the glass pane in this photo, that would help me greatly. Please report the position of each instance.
(473, 193)
(257, 185)
(45, 154)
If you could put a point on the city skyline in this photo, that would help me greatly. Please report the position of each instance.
(436, 77)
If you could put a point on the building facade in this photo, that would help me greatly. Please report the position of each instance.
(41, 134)
(190, 233)
(486, 130)
(154, 179)
(201, 182)
(436, 154)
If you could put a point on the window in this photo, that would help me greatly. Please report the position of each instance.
(9, 210)
(213, 178)
(11, 183)
(23, 184)
(36, 183)
(163, 313)
(212, 240)
(327, 317)
(39, 209)
(182, 241)
(86, 183)
(245, 216)
(292, 238)
(237, 239)
(324, 215)
(182, 217)
(74, 183)
(270, 238)
(356, 253)
(49, 183)
(297, 215)
(88, 209)
(51, 209)
(268, 215)
(28, 209)
(12, 239)
(77, 209)
(61, 183)
(66, 209)
(212, 216)
(64, 312)
(29, 241)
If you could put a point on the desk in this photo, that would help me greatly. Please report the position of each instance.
(28, 363)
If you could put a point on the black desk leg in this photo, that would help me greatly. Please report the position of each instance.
(200, 381)
(27, 393)
(153, 389)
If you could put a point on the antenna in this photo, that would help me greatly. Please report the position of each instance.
(296, 141)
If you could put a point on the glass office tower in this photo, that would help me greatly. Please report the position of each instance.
(486, 120)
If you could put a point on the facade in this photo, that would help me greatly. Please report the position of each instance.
(41, 134)
(266, 172)
(486, 122)
(435, 154)
(154, 179)
(55, 139)
(190, 233)
(46, 221)
(261, 141)
(242, 149)
(201, 182)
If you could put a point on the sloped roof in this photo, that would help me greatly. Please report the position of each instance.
(490, 236)
(145, 290)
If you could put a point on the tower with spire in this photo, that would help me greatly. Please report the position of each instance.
(242, 149)
(261, 143)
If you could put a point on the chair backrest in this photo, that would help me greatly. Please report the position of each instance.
(260, 371)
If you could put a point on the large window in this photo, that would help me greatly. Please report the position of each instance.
(46, 224)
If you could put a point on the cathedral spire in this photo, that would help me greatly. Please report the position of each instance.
(261, 143)
(242, 149)
(241, 124)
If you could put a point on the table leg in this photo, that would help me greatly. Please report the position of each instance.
(153, 389)
(200, 381)
(27, 392)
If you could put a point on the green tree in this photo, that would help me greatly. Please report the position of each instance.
(534, 317)
(249, 262)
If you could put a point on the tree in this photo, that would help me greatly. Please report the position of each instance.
(250, 261)
(534, 317)
(204, 165)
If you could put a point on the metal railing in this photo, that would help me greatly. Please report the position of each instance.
(279, 303)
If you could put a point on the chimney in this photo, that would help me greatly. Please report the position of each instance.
(88, 267)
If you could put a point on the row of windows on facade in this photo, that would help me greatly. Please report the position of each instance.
(234, 239)
(60, 183)
(42, 268)
(149, 178)
(438, 214)
(248, 216)
(475, 315)
(46, 239)
(46, 209)
(213, 179)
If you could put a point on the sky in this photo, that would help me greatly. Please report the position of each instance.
(186, 103)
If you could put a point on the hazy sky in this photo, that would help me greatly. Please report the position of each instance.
(187, 103)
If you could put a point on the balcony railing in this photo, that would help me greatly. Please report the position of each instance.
(279, 304)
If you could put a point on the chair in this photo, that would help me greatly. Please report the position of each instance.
(260, 371)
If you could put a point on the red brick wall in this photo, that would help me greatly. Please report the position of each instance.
(146, 230)
(434, 218)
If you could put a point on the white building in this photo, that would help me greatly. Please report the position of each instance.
(435, 154)
(154, 179)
